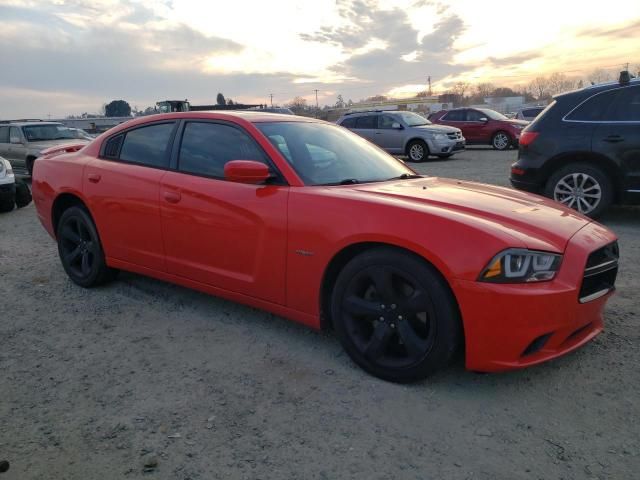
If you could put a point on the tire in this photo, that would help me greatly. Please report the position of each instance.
(581, 186)
(501, 141)
(80, 249)
(417, 151)
(23, 194)
(6, 205)
(395, 315)
(29, 163)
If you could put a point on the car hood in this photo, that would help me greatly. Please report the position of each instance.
(537, 222)
(433, 128)
(514, 121)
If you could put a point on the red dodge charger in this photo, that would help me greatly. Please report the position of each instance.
(311, 222)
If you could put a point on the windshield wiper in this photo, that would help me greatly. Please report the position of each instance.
(346, 181)
(404, 176)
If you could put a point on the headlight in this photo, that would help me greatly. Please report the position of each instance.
(440, 136)
(520, 266)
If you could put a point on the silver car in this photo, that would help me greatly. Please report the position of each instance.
(529, 114)
(22, 142)
(405, 133)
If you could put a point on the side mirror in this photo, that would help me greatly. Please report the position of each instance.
(396, 126)
(484, 119)
(246, 171)
(15, 140)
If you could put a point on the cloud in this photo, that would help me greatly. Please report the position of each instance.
(404, 57)
(627, 31)
(513, 59)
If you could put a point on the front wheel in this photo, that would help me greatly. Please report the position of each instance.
(583, 187)
(501, 141)
(417, 151)
(395, 315)
(80, 249)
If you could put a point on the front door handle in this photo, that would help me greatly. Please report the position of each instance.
(614, 139)
(172, 197)
(94, 177)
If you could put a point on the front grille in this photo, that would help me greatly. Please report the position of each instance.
(600, 273)
(454, 135)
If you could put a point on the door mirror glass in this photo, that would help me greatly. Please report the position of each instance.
(15, 140)
(396, 126)
(246, 171)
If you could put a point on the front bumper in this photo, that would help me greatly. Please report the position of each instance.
(446, 147)
(510, 326)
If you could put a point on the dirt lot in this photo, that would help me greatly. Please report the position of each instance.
(95, 383)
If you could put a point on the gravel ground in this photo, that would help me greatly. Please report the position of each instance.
(142, 379)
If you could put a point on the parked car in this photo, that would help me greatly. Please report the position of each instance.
(307, 220)
(529, 114)
(22, 142)
(405, 133)
(81, 134)
(482, 126)
(12, 193)
(584, 149)
(282, 110)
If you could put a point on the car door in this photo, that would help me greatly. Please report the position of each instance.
(455, 118)
(387, 137)
(17, 149)
(4, 142)
(122, 187)
(228, 235)
(618, 135)
(477, 126)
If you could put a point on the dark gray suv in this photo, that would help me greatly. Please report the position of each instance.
(405, 133)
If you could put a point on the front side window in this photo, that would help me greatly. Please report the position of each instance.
(148, 145)
(626, 107)
(412, 119)
(324, 154)
(386, 122)
(475, 116)
(594, 108)
(207, 147)
(349, 123)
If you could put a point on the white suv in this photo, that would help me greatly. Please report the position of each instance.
(11, 193)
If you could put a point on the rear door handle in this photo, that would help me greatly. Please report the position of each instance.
(614, 139)
(94, 177)
(172, 197)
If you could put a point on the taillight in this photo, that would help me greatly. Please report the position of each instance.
(526, 138)
(517, 170)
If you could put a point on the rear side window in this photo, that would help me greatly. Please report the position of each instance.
(207, 147)
(454, 116)
(349, 123)
(112, 148)
(368, 121)
(4, 134)
(626, 107)
(148, 145)
(594, 108)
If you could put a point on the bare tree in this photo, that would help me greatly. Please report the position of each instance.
(298, 104)
(540, 87)
(560, 83)
(485, 89)
(599, 75)
(460, 88)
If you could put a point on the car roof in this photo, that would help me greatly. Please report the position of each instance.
(26, 124)
(599, 87)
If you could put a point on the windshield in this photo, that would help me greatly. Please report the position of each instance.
(324, 154)
(492, 114)
(412, 119)
(37, 133)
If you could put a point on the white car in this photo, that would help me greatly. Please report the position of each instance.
(11, 193)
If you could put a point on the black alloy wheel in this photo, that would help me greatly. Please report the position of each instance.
(80, 249)
(395, 315)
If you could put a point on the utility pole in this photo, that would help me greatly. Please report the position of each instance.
(429, 84)
(316, 90)
(271, 98)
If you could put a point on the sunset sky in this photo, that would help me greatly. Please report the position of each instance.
(68, 57)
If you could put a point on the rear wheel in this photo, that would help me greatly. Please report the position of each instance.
(501, 141)
(23, 194)
(395, 315)
(583, 187)
(417, 151)
(80, 250)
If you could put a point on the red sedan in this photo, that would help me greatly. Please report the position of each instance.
(309, 221)
(482, 126)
